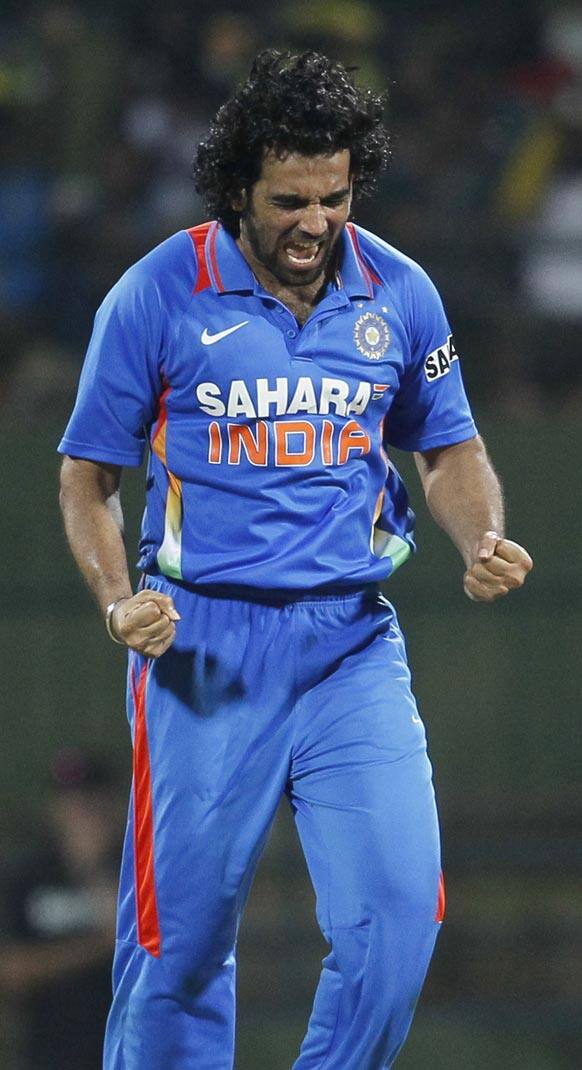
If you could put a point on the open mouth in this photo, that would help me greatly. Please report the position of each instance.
(303, 255)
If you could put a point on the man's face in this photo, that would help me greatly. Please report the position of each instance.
(296, 211)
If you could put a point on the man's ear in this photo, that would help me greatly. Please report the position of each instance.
(239, 203)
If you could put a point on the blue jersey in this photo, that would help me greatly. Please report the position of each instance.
(269, 442)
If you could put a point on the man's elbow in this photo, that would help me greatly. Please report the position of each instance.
(67, 480)
(428, 460)
(87, 481)
(451, 461)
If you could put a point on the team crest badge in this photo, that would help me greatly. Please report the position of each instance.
(371, 335)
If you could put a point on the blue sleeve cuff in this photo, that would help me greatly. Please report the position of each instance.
(89, 452)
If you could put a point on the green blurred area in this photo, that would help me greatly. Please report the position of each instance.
(500, 689)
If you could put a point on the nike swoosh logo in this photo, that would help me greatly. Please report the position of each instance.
(209, 339)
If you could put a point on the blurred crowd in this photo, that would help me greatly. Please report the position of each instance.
(57, 922)
(102, 105)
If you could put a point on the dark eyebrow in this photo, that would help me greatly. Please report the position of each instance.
(292, 199)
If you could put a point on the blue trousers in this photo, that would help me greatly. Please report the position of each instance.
(310, 697)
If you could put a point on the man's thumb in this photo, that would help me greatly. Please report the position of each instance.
(487, 545)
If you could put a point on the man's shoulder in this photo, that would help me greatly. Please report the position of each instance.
(168, 266)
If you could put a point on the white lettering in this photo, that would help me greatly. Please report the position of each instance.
(304, 397)
(208, 394)
(333, 392)
(239, 400)
(360, 400)
(333, 395)
(438, 363)
(267, 397)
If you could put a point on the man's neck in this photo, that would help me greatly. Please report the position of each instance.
(301, 300)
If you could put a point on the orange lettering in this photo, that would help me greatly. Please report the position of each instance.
(326, 437)
(352, 437)
(283, 455)
(215, 447)
(241, 435)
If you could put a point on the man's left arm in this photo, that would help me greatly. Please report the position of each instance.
(465, 498)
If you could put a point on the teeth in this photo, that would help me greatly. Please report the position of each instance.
(302, 259)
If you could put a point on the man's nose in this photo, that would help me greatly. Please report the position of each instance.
(313, 222)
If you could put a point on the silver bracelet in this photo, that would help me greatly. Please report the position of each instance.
(108, 616)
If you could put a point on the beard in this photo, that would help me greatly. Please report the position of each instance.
(272, 257)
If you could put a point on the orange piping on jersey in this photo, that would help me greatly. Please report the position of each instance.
(159, 435)
(378, 509)
(380, 499)
(211, 245)
(174, 504)
(383, 452)
(175, 485)
(367, 272)
(148, 928)
(199, 236)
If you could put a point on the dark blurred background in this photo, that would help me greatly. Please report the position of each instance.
(101, 106)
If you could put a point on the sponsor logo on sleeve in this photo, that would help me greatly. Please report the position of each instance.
(439, 362)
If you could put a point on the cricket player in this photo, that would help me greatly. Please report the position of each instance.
(270, 360)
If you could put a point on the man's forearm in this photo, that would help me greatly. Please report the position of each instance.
(94, 526)
(463, 494)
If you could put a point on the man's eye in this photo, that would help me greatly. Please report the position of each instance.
(294, 206)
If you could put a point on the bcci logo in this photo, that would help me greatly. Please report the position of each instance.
(371, 335)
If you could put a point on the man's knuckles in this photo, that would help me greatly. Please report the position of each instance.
(514, 554)
(511, 574)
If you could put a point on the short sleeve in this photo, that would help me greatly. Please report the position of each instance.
(431, 407)
(121, 378)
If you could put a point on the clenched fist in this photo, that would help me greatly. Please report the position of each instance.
(146, 622)
(499, 567)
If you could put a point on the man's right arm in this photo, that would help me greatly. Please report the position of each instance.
(94, 525)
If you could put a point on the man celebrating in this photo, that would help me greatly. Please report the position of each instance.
(269, 359)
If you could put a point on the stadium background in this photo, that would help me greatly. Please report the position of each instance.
(100, 108)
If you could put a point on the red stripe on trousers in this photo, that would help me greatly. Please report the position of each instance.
(440, 911)
(148, 929)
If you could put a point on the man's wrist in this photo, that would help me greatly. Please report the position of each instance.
(109, 620)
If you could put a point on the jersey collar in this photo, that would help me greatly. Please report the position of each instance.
(229, 272)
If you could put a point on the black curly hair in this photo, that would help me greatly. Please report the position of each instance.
(291, 103)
